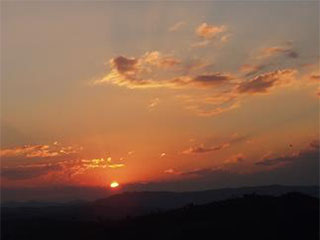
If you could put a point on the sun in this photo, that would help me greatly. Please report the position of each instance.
(114, 184)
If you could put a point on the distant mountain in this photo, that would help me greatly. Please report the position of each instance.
(165, 200)
(140, 203)
(292, 216)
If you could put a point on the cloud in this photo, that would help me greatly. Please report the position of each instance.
(56, 193)
(202, 149)
(209, 31)
(198, 172)
(130, 153)
(225, 38)
(251, 69)
(213, 111)
(278, 50)
(100, 163)
(237, 158)
(65, 169)
(155, 70)
(315, 144)
(311, 77)
(201, 44)
(315, 77)
(233, 90)
(196, 65)
(116, 165)
(29, 171)
(238, 138)
(137, 72)
(212, 79)
(39, 151)
(163, 155)
(307, 154)
(210, 105)
(157, 59)
(172, 171)
(124, 65)
(153, 104)
(176, 26)
(263, 83)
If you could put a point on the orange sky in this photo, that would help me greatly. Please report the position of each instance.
(159, 93)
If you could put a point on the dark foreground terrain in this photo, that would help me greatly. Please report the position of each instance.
(289, 216)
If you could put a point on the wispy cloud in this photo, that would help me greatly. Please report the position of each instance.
(251, 69)
(39, 151)
(278, 50)
(211, 105)
(263, 83)
(153, 104)
(202, 149)
(177, 26)
(147, 72)
(29, 171)
(312, 152)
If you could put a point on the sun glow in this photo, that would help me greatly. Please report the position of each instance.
(114, 184)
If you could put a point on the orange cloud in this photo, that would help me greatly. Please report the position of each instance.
(277, 50)
(202, 149)
(157, 59)
(116, 165)
(172, 171)
(154, 70)
(153, 104)
(235, 159)
(163, 155)
(209, 31)
(39, 151)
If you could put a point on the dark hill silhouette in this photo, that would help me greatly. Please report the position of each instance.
(290, 216)
(139, 203)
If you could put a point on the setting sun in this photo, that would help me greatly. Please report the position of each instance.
(114, 184)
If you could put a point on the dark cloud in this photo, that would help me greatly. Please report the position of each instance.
(276, 50)
(154, 70)
(27, 172)
(304, 172)
(315, 77)
(305, 155)
(211, 79)
(292, 54)
(315, 144)
(264, 82)
(201, 172)
(123, 64)
(57, 193)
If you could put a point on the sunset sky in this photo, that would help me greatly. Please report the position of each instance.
(162, 96)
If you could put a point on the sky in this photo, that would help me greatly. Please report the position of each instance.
(175, 96)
